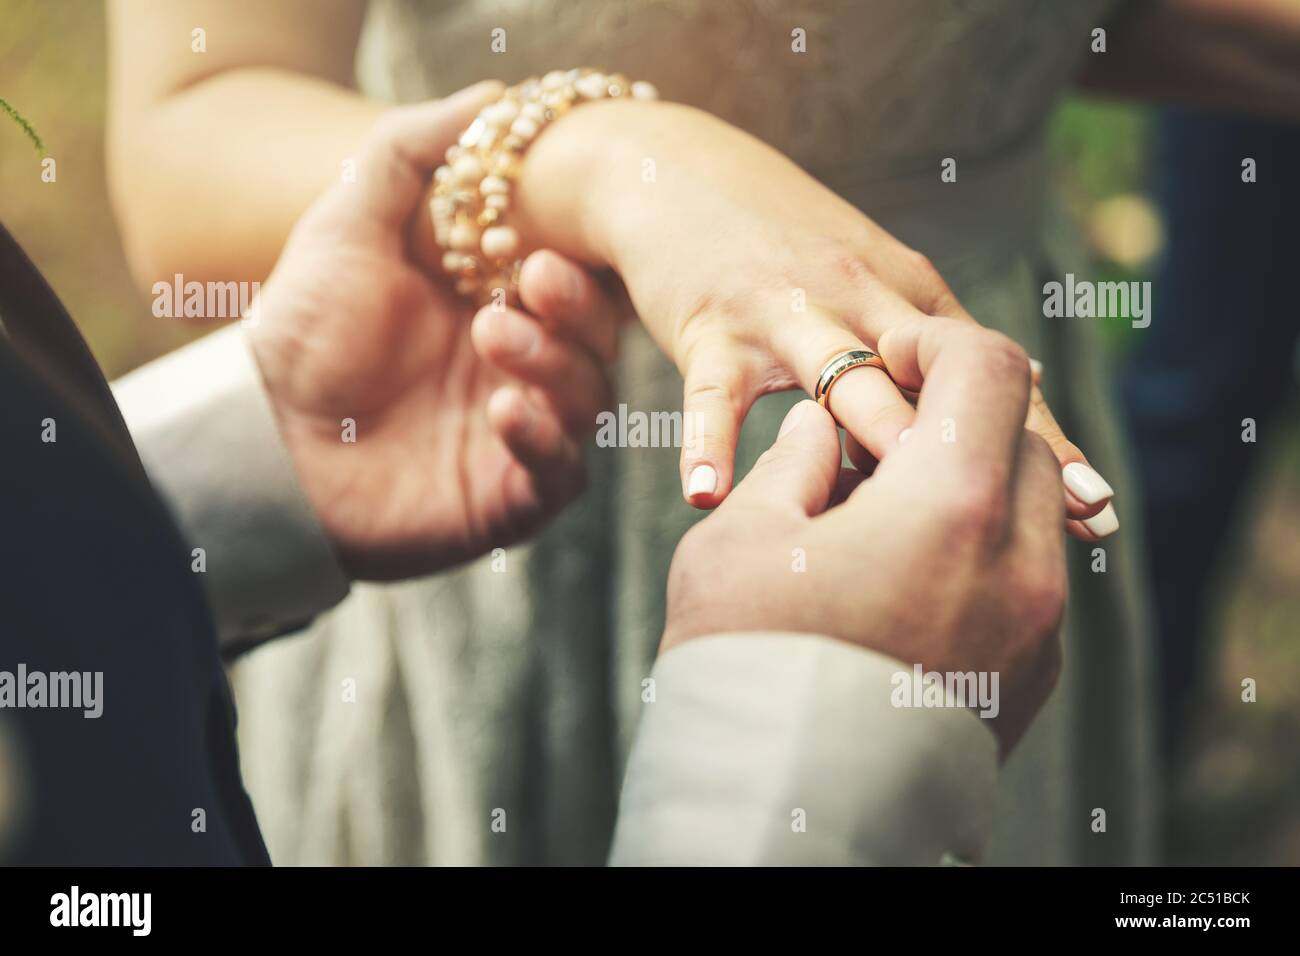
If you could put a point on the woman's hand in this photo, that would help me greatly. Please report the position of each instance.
(751, 276)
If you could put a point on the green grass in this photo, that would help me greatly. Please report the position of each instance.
(22, 121)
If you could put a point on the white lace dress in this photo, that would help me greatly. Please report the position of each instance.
(518, 691)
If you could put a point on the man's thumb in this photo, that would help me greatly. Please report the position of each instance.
(801, 468)
(407, 143)
(420, 133)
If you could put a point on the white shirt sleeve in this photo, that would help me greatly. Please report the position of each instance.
(207, 434)
(785, 749)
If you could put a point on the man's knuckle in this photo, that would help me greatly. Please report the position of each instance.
(977, 508)
(1041, 598)
(1004, 356)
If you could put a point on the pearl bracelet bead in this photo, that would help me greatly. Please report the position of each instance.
(464, 237)
(472, 191)
(500, 242)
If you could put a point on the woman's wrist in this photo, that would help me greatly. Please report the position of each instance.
(588, 180)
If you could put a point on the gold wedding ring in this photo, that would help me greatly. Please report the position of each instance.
(837, 366)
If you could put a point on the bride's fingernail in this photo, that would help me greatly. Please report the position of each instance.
(1085, 484)
(703, 481)
(1104, 522)
(1036, 369)
(904, 435)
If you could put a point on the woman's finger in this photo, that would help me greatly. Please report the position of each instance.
(570, 377)
(717, 398)
(1087, 493)
(864, 400)
(869, 406)
(1101, 525)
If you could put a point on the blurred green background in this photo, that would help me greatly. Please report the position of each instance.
(1236, 798)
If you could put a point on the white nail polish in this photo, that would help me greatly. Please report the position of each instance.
(703, 481)
(1086, 485)
(1104, 522)
(904, 435)
(1036, 367)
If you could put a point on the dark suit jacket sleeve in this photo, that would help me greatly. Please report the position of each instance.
(98, 594)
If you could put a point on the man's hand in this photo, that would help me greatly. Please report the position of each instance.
(450, 456)
(950, 555)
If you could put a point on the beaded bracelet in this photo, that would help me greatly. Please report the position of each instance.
(471, 194)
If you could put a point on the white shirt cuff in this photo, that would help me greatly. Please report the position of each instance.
(763, 749)
(207, 434)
